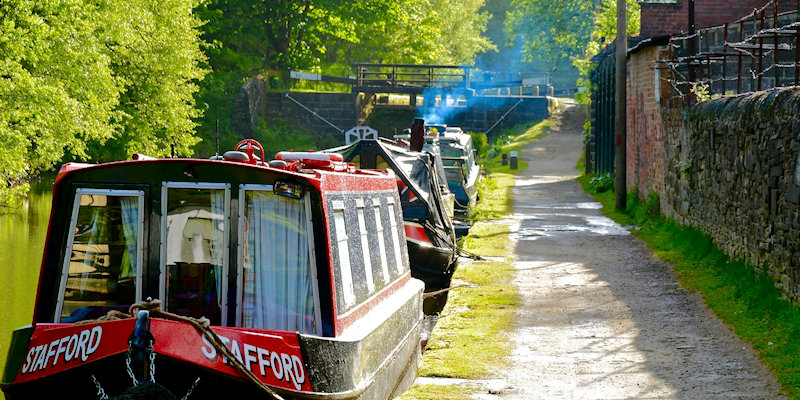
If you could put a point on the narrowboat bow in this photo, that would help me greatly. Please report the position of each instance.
(299, 267)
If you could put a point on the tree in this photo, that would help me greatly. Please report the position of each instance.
(267, 38)
(603, 33)
(155, 52)
(554, 31)
(461, 25)
(76, 73)
(421, 31)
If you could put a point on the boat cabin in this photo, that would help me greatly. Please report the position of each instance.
(298, 256)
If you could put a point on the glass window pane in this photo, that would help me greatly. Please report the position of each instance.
(398, 256)
(381, 246)
(104, 257)
(344, 259)
(277, 288)
(195, 249)
(362, 227)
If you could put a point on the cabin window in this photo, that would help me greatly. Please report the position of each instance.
(278, 281)
(398, 256)
(195, 249)
(102, 267)
(362, 229)
(455, 174)
(342, 249)
(380, 236)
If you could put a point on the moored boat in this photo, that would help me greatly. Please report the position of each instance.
(429, 231)
(461, 166)
(298, 267)
(457, 166)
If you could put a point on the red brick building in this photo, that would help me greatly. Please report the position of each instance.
(647, 86)
(661, 17)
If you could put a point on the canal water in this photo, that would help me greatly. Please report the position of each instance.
(22, 234)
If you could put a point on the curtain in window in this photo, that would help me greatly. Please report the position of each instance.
(217, 245)
(130, 228)
(277, 291)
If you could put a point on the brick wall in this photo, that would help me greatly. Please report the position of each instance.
(669, 17)
(644, 126)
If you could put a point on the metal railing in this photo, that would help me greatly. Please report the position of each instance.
(411, 76)
(757, 52)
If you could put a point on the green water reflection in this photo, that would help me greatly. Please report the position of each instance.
(22, 236)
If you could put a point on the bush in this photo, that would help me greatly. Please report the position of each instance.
(280, 137)
(481, 144)
(602, 182)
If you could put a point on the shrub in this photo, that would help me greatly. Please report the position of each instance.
(602, 182)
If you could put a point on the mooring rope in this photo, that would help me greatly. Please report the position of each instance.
(447, 289)
(200, 324)
(452, 246)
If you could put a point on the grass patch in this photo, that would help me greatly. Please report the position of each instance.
(742, 296)
(438, 392)
(514, 139)
(470, 340)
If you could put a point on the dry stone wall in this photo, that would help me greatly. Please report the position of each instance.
(731, 169)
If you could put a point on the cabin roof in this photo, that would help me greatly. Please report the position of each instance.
(320, 177)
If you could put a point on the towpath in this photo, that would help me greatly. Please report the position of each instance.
(602, 317)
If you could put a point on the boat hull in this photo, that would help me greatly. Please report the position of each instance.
(434, 266)
(374, 360)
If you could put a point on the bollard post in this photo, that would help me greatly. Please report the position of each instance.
(505, 158)
(513, 160)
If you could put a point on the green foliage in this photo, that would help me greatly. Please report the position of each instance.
(602, 182)
(604, 30)
(700, 91)
(75, 74)
(280, 137)
(554, 31)
(267, 38)
(481, 144)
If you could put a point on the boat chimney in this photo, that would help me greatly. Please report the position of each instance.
(417, 134)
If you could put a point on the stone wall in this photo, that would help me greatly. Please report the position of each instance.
(482, 112)
(485, 111)
(731, 169)
(254, 103)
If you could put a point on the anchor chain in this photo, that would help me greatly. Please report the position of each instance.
(191, 389)
(153, 367)
(100, 392)
(201, 325)
(130, 370)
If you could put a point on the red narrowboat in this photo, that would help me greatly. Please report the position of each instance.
(288, 279)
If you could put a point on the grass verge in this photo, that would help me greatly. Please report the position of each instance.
(744, 297)
(471, 340)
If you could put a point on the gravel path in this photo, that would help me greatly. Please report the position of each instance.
(602, 317)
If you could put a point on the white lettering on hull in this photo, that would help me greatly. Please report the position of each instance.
(261, 361)
(63, 350)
